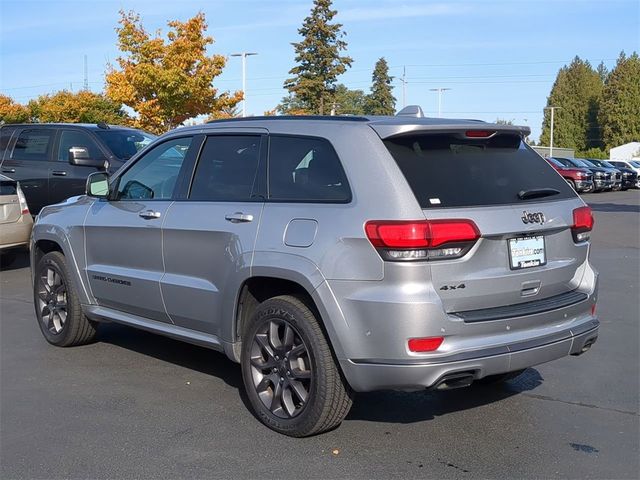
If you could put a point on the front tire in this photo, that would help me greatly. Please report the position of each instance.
(57, 304)
(291, 378)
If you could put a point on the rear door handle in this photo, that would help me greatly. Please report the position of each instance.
(59, 173)
(9, 170)
(238, 217)
(149, 214)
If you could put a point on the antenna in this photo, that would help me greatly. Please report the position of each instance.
(86, 74)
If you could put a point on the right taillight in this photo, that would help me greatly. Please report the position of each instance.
(24, 208)
(582, 224)
(422, 239)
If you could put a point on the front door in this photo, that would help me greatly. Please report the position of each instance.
(124, 234)
(67, 180)
(210, 235)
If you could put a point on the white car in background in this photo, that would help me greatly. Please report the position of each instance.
(15, 220)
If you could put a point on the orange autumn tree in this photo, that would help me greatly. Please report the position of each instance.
(167, 81)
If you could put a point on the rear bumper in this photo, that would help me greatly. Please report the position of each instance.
(479, 363)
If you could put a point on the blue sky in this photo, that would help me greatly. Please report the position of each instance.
(499, 57)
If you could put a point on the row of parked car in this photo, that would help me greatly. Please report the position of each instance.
(591, 175)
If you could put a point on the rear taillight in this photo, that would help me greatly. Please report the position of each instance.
(422, 239)
(582, 224)
(23, 201)
(428, 344)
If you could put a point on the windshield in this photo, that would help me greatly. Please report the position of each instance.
(124, 144)
(606, 164)
(556, 162)
(577, 161)
(635, 163)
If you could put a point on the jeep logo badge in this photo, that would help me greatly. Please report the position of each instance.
(536, 217)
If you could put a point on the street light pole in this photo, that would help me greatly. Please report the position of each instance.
(244, 56)
(551, 132)
(439, 90)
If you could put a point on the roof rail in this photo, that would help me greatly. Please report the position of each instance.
(411, 111)
(339, 118)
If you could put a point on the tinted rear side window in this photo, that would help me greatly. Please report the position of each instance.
(8, 188)
(5, 136)
(227, 169)
(448, 170)
(304, 169)
(33, 144)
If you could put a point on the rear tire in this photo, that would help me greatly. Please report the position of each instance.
(57, 304)
(292, 380)
(500, 378)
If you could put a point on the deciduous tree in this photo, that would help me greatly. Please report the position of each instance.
(381, 100)
(620, 106)
(80, 107)
(349, 102)
(167, 81)
(11, 111)
(318, 61)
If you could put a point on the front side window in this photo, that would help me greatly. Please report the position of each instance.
(227, 169)
(303, 169)
(76, 138)
(154, 175)
(33, 144)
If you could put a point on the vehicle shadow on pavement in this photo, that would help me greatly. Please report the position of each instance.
(21, 261)
(410, 407)
(186, 355)
(614, 207)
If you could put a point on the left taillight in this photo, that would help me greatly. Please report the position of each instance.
(582, 224)
(422, 239)
(23, 201)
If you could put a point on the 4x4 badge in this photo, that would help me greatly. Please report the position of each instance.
(536, 217)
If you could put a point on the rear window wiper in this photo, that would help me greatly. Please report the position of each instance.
(537, 193)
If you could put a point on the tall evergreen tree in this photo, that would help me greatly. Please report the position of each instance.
(318, 59)
(602, 71)
(381, 100)
(620, 105)
(577, 91)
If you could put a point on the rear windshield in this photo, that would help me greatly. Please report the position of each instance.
(449, 170)
(124, 144)
(7, 187)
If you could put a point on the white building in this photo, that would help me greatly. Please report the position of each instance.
(628, 151)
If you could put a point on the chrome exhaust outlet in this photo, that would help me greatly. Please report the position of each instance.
(454, 380)
(587, 345)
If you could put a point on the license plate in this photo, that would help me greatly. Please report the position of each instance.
(526, 252)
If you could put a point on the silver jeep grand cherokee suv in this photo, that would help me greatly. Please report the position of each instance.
(329, 255)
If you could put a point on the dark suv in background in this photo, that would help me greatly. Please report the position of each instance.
(627, 176)
(52, 161)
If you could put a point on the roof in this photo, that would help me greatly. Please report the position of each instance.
(90, 126)
(385, 126)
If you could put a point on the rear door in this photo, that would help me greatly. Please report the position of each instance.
(66, 180)
(526, 250)
(124, 234)
(28, 162)
(209, 235)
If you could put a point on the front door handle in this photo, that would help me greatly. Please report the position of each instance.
(59, 173)
(9, 170)
(238, 217)
(149, 214)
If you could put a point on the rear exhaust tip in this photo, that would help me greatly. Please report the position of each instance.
(587, 345)
(455, 380)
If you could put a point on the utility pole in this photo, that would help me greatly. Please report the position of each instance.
(404, 86)
(439, 90)
(551, 132)
(244, 56)
(86, 75)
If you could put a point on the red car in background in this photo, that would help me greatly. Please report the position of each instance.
(580, 179)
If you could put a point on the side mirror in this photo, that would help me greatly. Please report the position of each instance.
(80, 156)
(98, 185)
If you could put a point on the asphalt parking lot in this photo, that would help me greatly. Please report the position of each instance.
(135, 405)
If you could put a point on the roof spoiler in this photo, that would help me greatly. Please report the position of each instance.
(411, 111)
